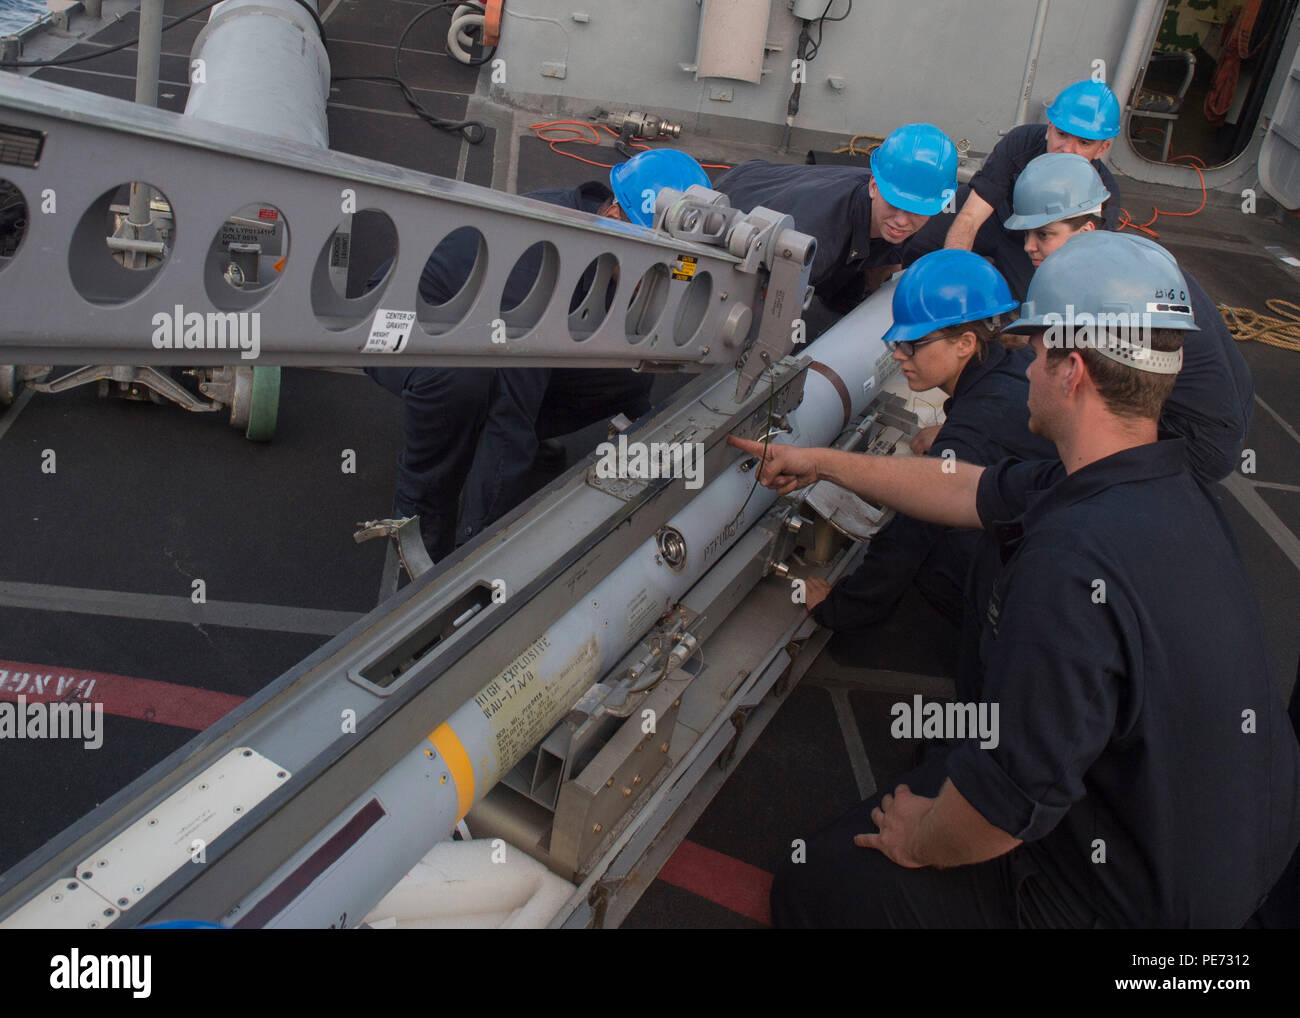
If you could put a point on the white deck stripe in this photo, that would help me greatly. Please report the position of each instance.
(866, 781)
(1278, 417)
(161, 608)
(1250, 500)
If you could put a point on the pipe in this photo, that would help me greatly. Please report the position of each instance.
(427, 791)
(260, 65)
(1137, 44)
(146, 90)
(1031, 62)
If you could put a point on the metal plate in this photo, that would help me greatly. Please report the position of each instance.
(160, 843)
(844, 511)
(65, 905)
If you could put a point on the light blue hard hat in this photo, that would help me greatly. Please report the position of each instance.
(1086, 109)
(1055, 186)
(638, 181)
(944, 288)
(1104, 273)
(915, 169)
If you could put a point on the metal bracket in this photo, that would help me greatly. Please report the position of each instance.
(762, 239)
(129, 379)
(406, 536)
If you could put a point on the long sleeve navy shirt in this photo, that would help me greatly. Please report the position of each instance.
(987, 420)
(1143, 754)
(1214, 395)
(830, 203)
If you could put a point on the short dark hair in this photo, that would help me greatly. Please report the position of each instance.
(985, 330)
(1128, 391)
(1098, 219)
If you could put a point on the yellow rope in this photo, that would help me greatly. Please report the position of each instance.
(852, 147)
(1246, 324)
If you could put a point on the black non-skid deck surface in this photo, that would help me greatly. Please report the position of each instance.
(146, 499)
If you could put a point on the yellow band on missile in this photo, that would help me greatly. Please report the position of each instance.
(453, 754)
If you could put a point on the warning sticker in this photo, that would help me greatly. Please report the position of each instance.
(642, 611)
(245, 231)
(685, 267)
(522, 703)
(389, 331)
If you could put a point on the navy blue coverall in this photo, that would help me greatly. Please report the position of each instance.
(995, 183)
(1142, 754)
(830, 203)
(449, 414)
(1214, 395)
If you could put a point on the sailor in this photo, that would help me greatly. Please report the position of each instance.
(1081, 121)
(859, 217)
(1059, 196)
(949, 310)
(446, 411)
(1118, 635)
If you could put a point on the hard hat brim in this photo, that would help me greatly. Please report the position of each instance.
(908, 202)
(902, 331)
(1077, 128)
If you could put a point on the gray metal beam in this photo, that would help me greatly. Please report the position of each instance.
(667, 312)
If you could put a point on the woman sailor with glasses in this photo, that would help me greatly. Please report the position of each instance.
(948, 310)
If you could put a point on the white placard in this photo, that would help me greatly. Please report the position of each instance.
(389, 331)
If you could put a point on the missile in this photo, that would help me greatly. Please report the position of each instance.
(418, 802)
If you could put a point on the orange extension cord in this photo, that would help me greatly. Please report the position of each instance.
(575, 131)
(1126, 221)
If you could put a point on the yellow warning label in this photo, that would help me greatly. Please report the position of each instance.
(526, 700)
(685, 267)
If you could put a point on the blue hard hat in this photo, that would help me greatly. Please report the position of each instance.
(1104, 273)
(638, 181)
(1086, 109)
(1055, 186)
(946, 288)
(915, 169)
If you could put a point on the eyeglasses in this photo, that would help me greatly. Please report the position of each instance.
(908, 346)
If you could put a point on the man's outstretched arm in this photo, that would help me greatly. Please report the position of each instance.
(967, 223)
(930, 488)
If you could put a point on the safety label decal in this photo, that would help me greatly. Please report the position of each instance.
(685, 267)
(389, 331)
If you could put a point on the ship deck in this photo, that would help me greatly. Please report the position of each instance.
(99, 557)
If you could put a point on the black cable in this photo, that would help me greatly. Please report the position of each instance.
(61, 61)
(473, 131)
(819, 22)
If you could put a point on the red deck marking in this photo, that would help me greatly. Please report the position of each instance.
(728, 882)
(145, 699)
